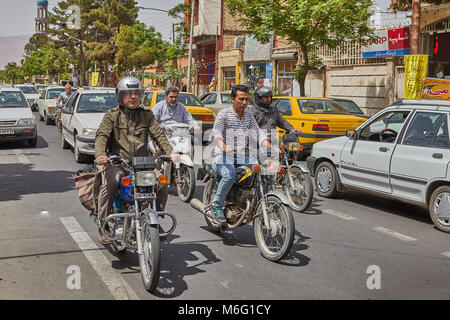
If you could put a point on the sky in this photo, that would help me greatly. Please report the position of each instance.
(17, 16)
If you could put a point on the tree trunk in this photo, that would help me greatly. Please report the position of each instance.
(415, 26)
(302, 68)
(105, 74)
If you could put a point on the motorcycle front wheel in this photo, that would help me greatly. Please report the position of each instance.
(276, 241)
(149, 260)
(300, 195)
(186, 187)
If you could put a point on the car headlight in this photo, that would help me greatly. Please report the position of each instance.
(26, 122)
(89, 132)
(145, 179)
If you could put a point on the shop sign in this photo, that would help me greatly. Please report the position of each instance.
(389, 43)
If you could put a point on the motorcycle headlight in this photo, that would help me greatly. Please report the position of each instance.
(89, 132)
(26, 122)
(145, 179)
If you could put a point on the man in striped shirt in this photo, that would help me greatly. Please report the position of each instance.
(231, 129)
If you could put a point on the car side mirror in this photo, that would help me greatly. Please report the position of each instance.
(352, 134)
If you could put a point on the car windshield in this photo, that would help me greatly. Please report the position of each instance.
(28, 89)
(321, 107)
(54, 93)
(96, 102)
(188, 99)
(12, 100)
(350, 106)
(226, 97)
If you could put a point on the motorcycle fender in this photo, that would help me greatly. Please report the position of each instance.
(303, 168)
(153, 218)
(283, 198)
(186, 160)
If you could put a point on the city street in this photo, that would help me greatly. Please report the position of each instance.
(355, 247)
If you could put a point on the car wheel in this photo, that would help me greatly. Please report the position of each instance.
(439, 208)
(32, 142)
(79, 157)
(48, 121)
(326, 180)
(41, 118)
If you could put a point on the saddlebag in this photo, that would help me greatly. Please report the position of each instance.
(88, 181)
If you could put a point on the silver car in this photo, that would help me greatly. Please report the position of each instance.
(216, 101)
(16, 118)
(402, 152)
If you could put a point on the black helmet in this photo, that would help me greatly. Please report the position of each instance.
(263, 92)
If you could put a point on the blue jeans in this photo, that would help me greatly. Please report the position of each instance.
(225, 166)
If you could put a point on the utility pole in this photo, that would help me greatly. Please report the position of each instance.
(191, 36)
(415, 26)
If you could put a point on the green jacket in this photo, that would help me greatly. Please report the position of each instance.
(125, 133)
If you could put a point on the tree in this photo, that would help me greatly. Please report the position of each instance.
(13, 73)
(308, 24)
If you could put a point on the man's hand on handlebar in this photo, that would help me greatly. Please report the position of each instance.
(101, 163)
(226, 149)
(297, 131)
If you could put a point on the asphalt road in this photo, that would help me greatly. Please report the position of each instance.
(341, 246)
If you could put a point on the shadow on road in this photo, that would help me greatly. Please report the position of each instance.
(19, 179)
(294, 258)
(41, 144)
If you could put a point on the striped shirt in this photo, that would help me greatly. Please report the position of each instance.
(166, 114)
(234, 131)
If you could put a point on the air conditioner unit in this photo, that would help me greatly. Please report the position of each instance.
(238, 42)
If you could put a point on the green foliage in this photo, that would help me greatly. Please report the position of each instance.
(13, 74)
(308, 24)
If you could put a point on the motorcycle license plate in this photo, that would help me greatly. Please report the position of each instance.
(6, 131)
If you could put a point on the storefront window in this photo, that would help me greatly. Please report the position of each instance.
(229, 78)
(254, 74)
(285, 76)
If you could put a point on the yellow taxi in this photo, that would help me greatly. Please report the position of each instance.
(203, 115)
(318, 118)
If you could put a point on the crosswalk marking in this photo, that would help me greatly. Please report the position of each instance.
(394, 234)
(115, 283)
(339, 214)
(22, 158)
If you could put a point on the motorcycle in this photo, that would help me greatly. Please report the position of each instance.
(294, 177)
(180, 174)
(134, 223)
(248, 201)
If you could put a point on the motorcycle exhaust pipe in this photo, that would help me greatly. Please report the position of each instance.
(198, 205)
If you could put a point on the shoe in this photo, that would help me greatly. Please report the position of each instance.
(217, 214)
(102, 238)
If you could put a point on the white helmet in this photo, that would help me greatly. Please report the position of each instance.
(127, 85)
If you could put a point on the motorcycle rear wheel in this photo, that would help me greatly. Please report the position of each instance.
(208, 194)
(299, 202)
(149, 260)
(186, 188)
(274, 244)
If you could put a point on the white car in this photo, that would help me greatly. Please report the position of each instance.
(402, 152)
(81, 118)
(31, 94)
(16, 118)
(216, 101)
(47, 103)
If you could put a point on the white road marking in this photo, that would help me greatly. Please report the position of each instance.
(339, 214)
(394, 234)
(44, 213)
(22, 158)
(446, 253)
(115, 283)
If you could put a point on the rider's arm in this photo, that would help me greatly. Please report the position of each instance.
(157, 134)
(283, 123)
(103, 134)
(187, 117)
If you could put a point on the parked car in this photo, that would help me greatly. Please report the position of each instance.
(216, 101)
(203, 115)
(16, 118)
(31, 94)
(318, 118)
(351, 107)
(47, 103)
(81, 118)
(41, 86)
(402, 152)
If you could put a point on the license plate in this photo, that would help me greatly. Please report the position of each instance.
(6, 131)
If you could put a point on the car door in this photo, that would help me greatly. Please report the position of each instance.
(66, 117)
(365, 160)
(422, 156)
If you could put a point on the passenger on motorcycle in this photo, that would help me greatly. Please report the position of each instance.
(231, 128)
(124, 131)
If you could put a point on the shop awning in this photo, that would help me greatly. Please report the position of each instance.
(285, 56)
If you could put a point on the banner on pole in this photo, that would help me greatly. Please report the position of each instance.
(94, 79)
(416, 67)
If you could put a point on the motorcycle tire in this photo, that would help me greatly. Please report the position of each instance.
(283, 223)
(149, 260)
(188, 175)
(301, 202)
(208, 194)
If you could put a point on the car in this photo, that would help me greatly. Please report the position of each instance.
(47, 103)
(203, 115)
(80, 119)
(41, 86)
(402, 152)
(351, 107)
(16, 118)
(216, 101)
(31, 94)
(318, 118)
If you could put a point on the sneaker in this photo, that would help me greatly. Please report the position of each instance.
(218, 215)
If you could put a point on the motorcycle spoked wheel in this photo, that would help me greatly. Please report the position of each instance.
(276, 243)
(300, 201)
(186, 187)
(208, 194)
(149, 260)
